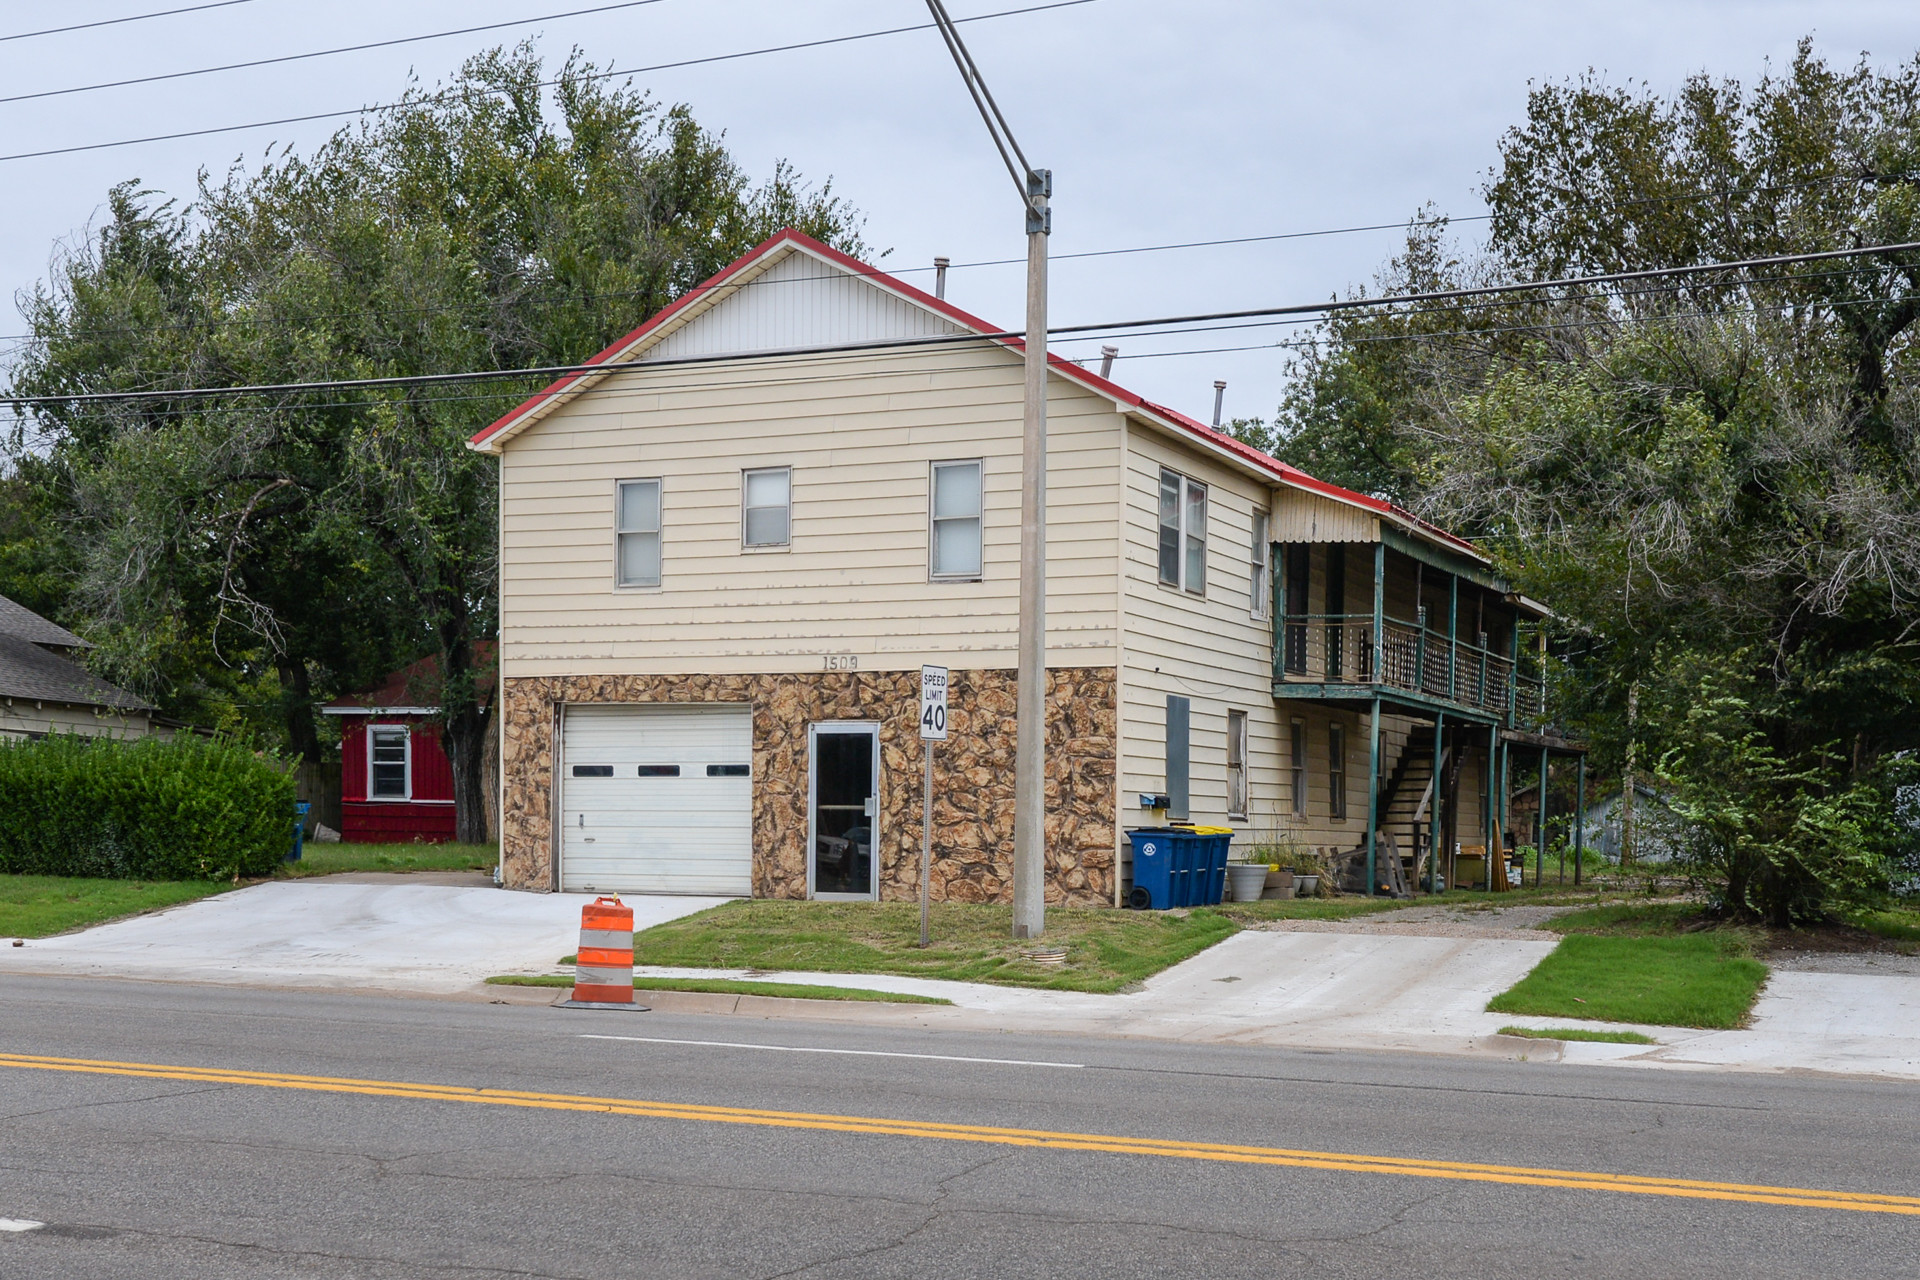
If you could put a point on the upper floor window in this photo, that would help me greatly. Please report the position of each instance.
(955, 540)
(766, 507)
(637, 532)
(387, 752)
(1260, 567)
(1183, 532)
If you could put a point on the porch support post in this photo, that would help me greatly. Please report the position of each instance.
(1487, 793)
(1579, 817)
(1453, 637)
(1373, 791)
(1540, 834)
(1279, 611)
(1433, 810)
(1379, 616)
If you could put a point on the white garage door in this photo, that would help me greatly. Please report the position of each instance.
(657, 800)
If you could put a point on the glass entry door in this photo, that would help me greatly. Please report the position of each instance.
(843, 808)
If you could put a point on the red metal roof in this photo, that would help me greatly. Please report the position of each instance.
(416, 685)
(791, 236)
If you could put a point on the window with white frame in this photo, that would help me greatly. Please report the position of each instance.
(1297, 765)
(1237, 764)
(389, 751)
(954, 547)
(1337, 770)
(1183, 532)
(637, 532)
(766, 507)
(1260, 567)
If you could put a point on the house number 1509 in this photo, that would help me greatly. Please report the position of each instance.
(841, 662)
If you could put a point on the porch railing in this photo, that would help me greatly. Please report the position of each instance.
(1332, 648)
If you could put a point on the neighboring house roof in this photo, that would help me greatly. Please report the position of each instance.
(412, 690)
(29, 671)
(21, 622)
(728, 280)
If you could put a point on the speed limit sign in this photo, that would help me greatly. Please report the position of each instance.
(933, 703)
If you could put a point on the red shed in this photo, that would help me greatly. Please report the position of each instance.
(396, 783)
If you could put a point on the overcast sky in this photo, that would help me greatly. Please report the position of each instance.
(1162, 121)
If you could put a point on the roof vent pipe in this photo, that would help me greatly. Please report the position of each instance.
(1219, 394)
(1106, 360)
(940, 278)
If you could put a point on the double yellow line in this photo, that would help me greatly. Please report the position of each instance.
(1110, 1144)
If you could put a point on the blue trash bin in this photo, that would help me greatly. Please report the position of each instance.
(1175, 868)
(300, 811)
(1153, 868)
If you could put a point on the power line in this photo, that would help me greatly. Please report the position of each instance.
(1297, 309)
(603, 75)
(114, 22)
(606, 392)
(319, 53)
(866, 271)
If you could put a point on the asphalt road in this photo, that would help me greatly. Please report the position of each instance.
(415, 1157)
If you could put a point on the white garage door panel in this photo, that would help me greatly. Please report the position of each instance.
(687, 834)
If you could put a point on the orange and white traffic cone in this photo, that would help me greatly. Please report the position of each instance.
(603, 969)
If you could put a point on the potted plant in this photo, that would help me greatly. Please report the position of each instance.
(1247, 880)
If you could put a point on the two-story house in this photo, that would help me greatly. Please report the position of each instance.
(723, 562)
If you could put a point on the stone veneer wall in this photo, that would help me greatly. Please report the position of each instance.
(973, 775)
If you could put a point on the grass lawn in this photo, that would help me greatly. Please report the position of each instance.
(1897, 924)
(37, 906)
(1578, 1033)
(1686, 980)
(1303, 909)
(733, 987)
(327, 859)
(1106, 949)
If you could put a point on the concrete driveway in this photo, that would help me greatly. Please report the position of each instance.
(362, 932)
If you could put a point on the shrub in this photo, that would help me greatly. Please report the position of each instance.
(186, 809)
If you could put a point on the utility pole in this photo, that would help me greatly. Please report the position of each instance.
(1030, 706)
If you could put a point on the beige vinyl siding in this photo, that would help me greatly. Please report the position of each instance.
(1206, 649)
(854, 581)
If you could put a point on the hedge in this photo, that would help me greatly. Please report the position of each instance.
(151, 809)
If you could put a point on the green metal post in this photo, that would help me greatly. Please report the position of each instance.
(1379, 611)
(1433, 810)
(1493, 749)
(1279, 571)
(1453, 635)
(1579, 817)
(1373, 795)
(1540, 832)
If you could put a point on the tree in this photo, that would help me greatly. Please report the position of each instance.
(1712, 476)
(310, 541)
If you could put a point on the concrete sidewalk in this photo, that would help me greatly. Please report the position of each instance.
(360, 932)
(1323, 989)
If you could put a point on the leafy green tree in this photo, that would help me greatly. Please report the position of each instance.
(1717, 474)
(321, 537)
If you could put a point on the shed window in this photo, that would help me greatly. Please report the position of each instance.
(955, 513)
(1183, 532)
(637, 531)
(766, 507)
(388, 749)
